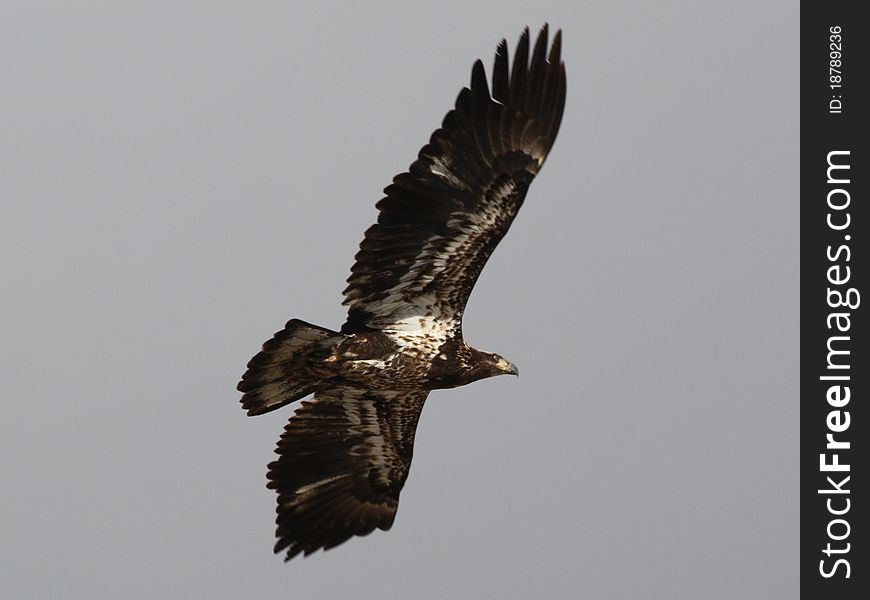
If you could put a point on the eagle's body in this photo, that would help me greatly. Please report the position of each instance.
(344, 456)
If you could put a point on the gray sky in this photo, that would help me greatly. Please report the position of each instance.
(177, 180)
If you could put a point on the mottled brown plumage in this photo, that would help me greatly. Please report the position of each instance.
(345, 454)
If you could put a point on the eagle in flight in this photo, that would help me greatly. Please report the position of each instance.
(345, 453)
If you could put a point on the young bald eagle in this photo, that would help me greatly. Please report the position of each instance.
(345, 454)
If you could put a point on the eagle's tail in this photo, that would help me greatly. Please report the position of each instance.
(279, 374)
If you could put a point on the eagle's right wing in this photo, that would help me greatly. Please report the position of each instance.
(440, 222)
(344, 458)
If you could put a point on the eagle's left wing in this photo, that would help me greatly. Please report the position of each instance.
(440, 221)
(344, 457)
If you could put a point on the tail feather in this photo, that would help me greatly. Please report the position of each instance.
(277, 375)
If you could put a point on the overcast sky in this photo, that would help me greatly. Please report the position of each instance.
(179, 179)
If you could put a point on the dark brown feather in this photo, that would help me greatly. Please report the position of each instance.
(343, 460)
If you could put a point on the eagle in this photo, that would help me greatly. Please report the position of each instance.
(345, 453)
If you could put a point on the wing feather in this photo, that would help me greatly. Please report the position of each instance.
(440, 221)
(343, 460)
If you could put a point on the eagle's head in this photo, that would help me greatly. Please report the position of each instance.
(467, 365)
(489, 364)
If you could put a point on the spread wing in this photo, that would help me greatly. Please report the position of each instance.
(440, 221)
(344, 457)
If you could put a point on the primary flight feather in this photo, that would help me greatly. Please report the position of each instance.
(345, 453)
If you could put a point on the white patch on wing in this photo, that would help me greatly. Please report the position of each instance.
(302, 490)
(426, 324)
(378, 364)
(423, 333)
(441, 166)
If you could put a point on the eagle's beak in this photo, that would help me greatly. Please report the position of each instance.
(507, 367)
